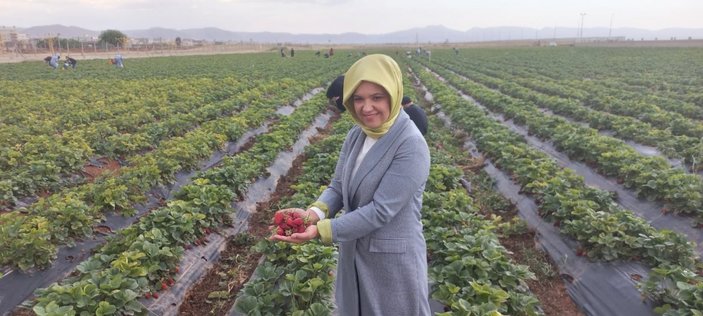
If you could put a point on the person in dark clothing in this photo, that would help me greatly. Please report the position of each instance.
(334, 93)
(417, 115)
(70, 62)
(292, 52)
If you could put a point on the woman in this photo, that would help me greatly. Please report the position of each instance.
(379, 179)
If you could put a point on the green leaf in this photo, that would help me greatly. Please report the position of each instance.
(246, 305)
(134, 306)
(317, 309)
(105, 308)
(218, 295)
(316, 282)
(53, 309)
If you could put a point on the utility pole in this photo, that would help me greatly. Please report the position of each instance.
(610, 30)
(554, 34)
(581, 27)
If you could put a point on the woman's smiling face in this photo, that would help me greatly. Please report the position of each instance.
(372, 104)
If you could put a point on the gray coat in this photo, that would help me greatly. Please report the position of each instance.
(382, 268)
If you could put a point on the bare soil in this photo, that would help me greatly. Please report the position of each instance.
(549, 287)
(92, 171)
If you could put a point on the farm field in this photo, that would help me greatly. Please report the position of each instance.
(564, 181)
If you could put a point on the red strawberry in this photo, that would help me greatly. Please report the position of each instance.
(294, 215)
(164, 286)
(147, 295)
(298, 221)
(278, 218)
(155, 295)
(289, 222)
(280, 231)
(301, 229)
(171, 282)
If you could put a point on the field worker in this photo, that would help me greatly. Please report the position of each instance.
(292, 52)
(417, 115)
(54, 61)
(378, 182)
(70, 62)
(119, 62)
(334, 93)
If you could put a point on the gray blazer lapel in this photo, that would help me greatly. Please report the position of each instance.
(374, 155)
(357, 144)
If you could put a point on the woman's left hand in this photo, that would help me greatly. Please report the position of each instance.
(298, 238)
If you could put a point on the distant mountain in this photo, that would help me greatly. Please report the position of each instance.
(428, 34)
(155, 32)
(61, 30)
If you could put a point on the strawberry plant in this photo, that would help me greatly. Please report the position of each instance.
(111, 195)
(71, 216)
(25, 241)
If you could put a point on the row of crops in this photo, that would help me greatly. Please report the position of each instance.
(603, 228)
(70, 214)
(163, 118)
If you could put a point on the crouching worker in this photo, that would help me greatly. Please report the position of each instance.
(70, 62)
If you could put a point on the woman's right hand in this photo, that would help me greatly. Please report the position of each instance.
(309, 217)
(310, 233)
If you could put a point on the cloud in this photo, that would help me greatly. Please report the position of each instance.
(339, 16)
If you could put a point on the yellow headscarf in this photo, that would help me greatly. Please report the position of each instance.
(383, 71)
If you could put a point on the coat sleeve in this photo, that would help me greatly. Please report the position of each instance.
(406, 175)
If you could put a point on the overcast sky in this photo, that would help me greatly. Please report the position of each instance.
(340, 16)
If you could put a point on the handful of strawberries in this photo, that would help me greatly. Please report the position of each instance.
(289, 222)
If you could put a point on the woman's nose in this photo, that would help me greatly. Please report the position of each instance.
(366, 105)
